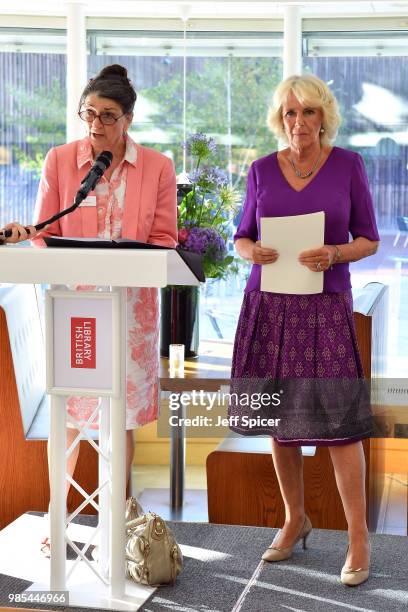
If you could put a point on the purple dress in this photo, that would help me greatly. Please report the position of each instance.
(301, 350)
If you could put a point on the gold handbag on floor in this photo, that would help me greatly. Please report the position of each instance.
(153, 556)
(133, 509)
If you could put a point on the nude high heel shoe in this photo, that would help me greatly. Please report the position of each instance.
(273, 553)
(353, 577)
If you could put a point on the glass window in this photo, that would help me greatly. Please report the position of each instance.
(230, 77)
(364, 71)
(32, 113)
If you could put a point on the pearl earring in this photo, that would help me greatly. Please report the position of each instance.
(322, 130)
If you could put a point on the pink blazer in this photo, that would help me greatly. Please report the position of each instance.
(150, 212)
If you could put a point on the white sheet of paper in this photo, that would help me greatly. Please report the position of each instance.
(290, 236)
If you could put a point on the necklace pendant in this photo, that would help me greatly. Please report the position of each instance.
(298, 172)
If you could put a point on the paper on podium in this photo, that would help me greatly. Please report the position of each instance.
(290, 236)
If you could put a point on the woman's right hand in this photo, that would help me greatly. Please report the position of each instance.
(262, 255)
(18, 232)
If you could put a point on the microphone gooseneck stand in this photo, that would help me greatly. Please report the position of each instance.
(88, 183)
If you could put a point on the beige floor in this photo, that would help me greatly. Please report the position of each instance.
(158, 477)
(393, 513)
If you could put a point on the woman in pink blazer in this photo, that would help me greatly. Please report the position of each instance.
(149, 211)
(135, 198)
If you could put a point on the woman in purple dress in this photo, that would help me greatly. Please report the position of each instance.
(300, 338)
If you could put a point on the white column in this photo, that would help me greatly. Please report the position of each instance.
(76, 67)
(292, 41)
(104, 495)
(118, 468)
(58, 492)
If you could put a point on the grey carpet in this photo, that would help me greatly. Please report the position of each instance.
(212, 586)
(308, 582)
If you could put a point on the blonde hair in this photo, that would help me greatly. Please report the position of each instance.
(310, 91)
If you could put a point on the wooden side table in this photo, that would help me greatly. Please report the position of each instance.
(208, 372)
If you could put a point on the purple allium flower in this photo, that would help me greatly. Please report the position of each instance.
(209, 177)
(200, 145)
(208, 242)
(218, 176)
(197, 175)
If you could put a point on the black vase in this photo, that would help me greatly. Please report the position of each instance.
(179, 323)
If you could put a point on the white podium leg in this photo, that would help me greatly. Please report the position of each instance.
(104, 495)
(58, 492)
(118, 468)
(101, 585)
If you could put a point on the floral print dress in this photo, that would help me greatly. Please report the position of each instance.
(142, 307)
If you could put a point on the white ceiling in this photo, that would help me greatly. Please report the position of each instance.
(207, 8)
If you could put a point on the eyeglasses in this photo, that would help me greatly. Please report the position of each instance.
(89, 116)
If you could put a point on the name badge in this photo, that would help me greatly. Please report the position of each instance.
(90, 200)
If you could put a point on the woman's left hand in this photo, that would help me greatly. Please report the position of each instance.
(318, 260)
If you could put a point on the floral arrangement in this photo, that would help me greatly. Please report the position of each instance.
(206, 211)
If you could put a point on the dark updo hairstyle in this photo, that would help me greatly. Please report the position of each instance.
(112, 82)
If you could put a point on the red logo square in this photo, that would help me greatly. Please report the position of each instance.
(83, 342)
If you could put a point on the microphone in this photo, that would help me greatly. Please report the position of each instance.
(88, 183)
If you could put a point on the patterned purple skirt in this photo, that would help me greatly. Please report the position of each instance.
(296, 370)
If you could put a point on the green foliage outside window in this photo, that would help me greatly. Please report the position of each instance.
(42, 116)
(248, 82)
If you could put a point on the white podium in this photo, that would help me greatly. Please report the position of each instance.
(80, 327)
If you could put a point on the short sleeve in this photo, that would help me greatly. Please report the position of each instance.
(362, 217)
(247, 227)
